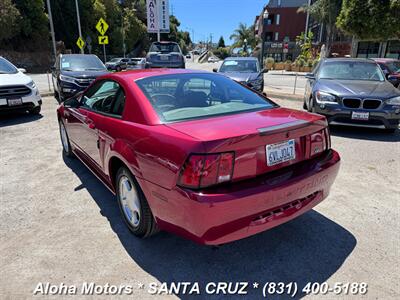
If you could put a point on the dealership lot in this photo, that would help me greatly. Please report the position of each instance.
(59, 224)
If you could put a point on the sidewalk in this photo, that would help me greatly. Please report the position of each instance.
(287, 73)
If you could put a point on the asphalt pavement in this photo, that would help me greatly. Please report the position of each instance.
(59, 224)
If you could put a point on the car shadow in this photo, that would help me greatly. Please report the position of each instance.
(372, 134)
(310, 248)
(17, 118)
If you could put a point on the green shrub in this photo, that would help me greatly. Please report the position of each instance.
(270, 60)
(300, 62)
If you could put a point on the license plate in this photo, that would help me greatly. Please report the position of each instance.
(364, 116)
(164, 57)
(14, 102)
(280, 152)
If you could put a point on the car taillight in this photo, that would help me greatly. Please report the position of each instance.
(203, 170)
(319, 142)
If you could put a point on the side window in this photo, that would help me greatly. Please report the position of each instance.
(101, 96)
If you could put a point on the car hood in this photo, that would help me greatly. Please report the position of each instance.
(14, 79)
(359, 88)
(241, 76)
(84, 74)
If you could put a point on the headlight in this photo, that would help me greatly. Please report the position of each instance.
(32, 85)
(324, 97)
(67, 78)
(394, 101)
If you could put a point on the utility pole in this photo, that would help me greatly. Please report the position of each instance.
(79, 22)
(53, 37)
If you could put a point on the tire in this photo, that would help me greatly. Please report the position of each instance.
(36, 110)
(118, 69)
(57, 96)
(133, 205)
(304, 105)
(67, 150)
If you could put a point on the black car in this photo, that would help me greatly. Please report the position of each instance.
(165, 55)
(353, 92)
(245, 70)
(72, 73)
(117, 64)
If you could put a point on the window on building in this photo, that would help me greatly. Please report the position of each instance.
(278, 19)
(269, 36)
(279, 2)
(367, 49)
(276, 36)
(393, 49)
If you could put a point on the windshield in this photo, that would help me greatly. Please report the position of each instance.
(6, 67)
(164, 47)
(394, 66)
(351, 70)
(181, 97)
(81, 63)
(244, 66)
(115, 60)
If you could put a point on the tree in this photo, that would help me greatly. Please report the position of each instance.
(34, 31)
(241, 34)
(10, 17)
(221, 42)
(372, 19)
(326, 12)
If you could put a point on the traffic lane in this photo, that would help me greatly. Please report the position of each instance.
(62, 225)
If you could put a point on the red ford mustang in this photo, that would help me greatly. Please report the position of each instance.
(197, 154)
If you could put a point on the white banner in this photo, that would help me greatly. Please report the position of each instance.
(157, 16)
(164, 15)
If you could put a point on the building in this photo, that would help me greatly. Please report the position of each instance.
(278, 25)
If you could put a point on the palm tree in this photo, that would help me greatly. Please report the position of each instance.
(242, 34)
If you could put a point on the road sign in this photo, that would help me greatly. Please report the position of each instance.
(103, 39)
(102, 26)
(152, 16)
(81, 43)
(164, 16)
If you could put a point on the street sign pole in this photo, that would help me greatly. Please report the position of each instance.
(104, 51)
(79, 22)
(158, 19)
(53, 38)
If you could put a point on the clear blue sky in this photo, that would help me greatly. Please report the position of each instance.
(219, 17)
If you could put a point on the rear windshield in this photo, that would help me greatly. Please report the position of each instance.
(164, 47)
(181, 97)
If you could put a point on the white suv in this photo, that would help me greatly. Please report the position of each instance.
(18, 92)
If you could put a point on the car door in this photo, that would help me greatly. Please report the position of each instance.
(84, 121)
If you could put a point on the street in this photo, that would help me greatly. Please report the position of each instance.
(276, 82)
(60, 224)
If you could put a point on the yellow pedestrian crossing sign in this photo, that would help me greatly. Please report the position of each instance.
(103, 39)
(102, 26)
(81, 43)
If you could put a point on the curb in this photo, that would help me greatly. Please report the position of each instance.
(46, 94)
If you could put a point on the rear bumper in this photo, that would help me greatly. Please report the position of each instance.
(238, 210)
(386, 117)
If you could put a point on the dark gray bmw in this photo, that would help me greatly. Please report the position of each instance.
(353, 92)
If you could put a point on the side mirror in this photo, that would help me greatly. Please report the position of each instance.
(215, 70)
(264, 70)
(22, 70)
(310, 76)
(264, 94)
(72, 102)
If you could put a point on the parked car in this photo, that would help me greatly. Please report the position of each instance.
(18, 92)
(73, 73)
(245, 70)
(198, 154)
(117, 64)
(137, 63)
(353, 92)
(165, 55)
(213, 59)
(391, 69)
(188, 56)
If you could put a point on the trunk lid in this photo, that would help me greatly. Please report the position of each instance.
(248, 134)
